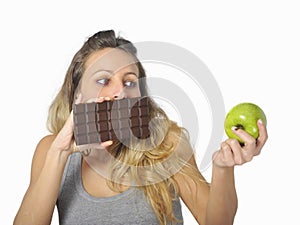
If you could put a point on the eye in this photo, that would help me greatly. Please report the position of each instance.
(130, 84)
(103, 81)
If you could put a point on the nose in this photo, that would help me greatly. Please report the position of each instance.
(115, 90)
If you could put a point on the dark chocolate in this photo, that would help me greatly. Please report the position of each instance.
(111, 120)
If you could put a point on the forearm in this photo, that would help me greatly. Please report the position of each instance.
(222, 203)
(40, 199)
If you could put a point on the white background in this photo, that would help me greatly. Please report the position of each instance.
(251, 47)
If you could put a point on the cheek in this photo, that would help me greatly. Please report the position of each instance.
(133, 93)
(89, 91)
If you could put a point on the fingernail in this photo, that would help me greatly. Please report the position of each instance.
(99, 99)
(78, 98)
(260, 121)
(234, 128)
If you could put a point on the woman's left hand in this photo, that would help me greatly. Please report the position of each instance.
(232, 153)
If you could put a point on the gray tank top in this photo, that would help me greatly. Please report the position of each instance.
(75, 206)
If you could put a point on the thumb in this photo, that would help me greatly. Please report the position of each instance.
(215, 154)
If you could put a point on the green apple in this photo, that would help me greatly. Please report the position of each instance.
(244, 116)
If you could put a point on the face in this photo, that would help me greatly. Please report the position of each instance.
(110, 73)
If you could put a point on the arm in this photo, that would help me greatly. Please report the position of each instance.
(46, 173)
(222, 199)
(217, 200)
(216, 203)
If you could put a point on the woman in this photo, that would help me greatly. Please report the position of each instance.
(88, 189)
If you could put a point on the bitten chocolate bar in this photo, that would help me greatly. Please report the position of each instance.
(111, 120)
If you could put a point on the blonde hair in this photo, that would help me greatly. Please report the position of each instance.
(150, 164)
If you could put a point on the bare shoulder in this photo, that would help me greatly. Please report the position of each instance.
(46, 141)
(40, 156)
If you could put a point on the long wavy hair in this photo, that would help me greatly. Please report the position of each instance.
(156, 176)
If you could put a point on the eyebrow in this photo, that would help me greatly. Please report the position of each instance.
(112, 72)
(131, 73)
(102, 70)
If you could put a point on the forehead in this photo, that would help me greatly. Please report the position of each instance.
(110, 59)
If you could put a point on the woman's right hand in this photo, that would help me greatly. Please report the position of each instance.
(64, 140)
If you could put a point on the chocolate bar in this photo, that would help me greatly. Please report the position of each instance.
(111, 120)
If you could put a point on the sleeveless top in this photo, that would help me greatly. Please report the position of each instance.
(75, 206)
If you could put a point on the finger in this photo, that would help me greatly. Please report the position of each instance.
(106, 143)
(107, 98)
(236, 151)
(90, 100)
(215, 155)
(248, 140)
(98, 146)
(78, 99)
(101, 145)
(64, 136)
(99, 99)
(68, 126)
(263, 134)
(228, 158)
(82, 148)
(74, 147)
